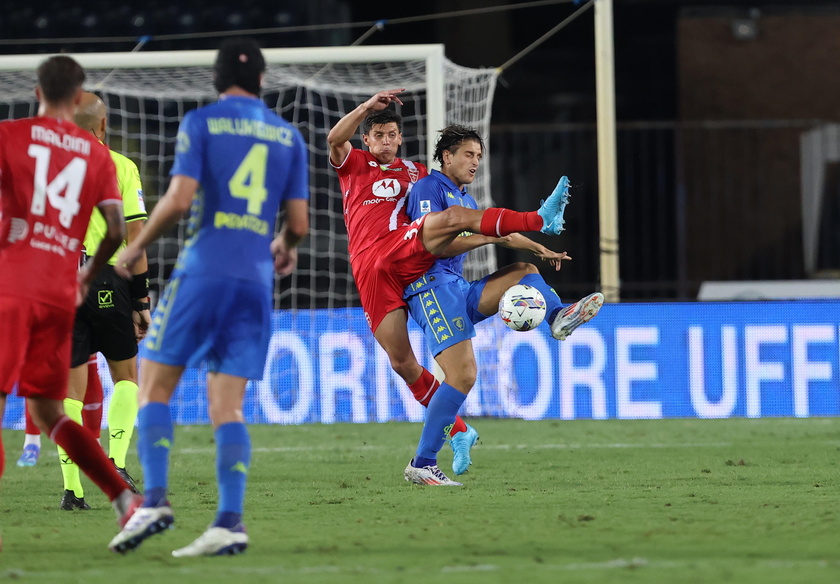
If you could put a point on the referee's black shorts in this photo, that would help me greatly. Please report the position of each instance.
(103, 323)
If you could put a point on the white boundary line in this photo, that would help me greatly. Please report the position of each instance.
(560, 446)
(369, 447)
(616, 564)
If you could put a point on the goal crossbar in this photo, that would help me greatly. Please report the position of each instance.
(296, 55)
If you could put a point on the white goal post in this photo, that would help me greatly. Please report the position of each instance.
(147, 93)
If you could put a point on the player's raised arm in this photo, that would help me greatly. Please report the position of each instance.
(340, 135)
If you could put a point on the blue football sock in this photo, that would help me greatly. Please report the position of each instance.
(440, 415)
(228, 520)
(233, 457)
(154, 443)
(552, 299)
(420, 462)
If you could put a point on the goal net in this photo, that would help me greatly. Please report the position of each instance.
(323, 363)
(147, 95)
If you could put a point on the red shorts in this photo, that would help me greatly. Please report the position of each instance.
(383, 270)
(35, 348)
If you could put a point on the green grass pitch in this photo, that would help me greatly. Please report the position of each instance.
(552, 501)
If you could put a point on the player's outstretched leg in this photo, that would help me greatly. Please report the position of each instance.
(216, 541)
(552, 209)
(461, 444)
(575, 315)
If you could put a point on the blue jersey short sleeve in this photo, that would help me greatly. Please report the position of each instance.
(298, 187)
(248, 161)
(189, 148)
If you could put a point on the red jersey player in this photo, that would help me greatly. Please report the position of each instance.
(387, 252)
(52, 174)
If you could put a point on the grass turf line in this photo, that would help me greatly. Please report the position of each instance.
(573, 501)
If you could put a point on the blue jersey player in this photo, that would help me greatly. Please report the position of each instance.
(236, 165)
(446, 306)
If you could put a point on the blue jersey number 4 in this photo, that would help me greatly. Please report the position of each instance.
(248, 182)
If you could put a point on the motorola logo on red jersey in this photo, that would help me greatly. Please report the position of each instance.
(385, 188)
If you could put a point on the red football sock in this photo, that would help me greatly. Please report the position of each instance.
(459, 426)
(31, 428)
(497, 222)
(92, 411)
(82, 448)
(424, 388)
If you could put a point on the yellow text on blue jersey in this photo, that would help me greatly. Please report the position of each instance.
(252, 128)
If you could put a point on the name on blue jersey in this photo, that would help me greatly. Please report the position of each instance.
(253, 128)
(241, 222)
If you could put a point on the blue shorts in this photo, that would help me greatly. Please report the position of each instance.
(223, 322)
(447, 314)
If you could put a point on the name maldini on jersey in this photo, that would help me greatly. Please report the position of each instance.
(248, 127)
(63, 141)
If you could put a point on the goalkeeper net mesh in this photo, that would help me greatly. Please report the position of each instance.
(146, 105)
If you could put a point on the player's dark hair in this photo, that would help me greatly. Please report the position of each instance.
(239, 62)
(451, 138)
(59, 78)
(385, 116)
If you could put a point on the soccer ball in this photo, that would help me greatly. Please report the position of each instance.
(522, 307)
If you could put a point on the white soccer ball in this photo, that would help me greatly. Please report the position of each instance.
(522, 307)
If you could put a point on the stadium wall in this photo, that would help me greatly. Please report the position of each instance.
(674, 360)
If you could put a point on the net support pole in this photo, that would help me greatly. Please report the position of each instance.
(435, 100)
(607, 165)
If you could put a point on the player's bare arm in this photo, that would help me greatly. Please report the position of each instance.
(168, 211)
(466, 243)
(520, 242)
(294, 230)
(112, 212)
(341, 134)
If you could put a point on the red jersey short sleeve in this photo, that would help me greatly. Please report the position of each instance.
(52, 174)
(374, 196)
